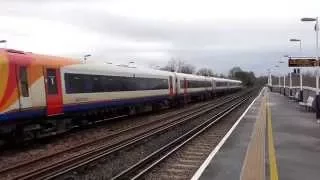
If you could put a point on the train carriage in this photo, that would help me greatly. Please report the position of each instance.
(225, 85)
(90, 86)
(193, 86)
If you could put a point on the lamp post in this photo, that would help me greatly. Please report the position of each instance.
(85, 58)
(290, 75)
(316, 29)
(300, 74)
(269, 77)
(279, 77)
(284, 79)
(290, 79)
(284, 76)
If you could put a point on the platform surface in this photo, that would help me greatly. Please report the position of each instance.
(297, 139)
(292, 144)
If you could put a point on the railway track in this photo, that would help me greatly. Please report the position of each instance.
(25, 165)
(55, 168)
(144, 166)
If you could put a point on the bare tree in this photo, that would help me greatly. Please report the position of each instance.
(234, 70)
(187, 69)
(205, 72)
(171, 65)
(177, 65)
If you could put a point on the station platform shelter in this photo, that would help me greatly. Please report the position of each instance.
(275, 139)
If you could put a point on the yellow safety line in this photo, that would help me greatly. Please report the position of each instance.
(254, 163)
(272, 152)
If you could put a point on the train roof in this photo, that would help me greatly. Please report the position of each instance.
(94, 68)
(105, 69)
(225, 80)
(193, 76)
(34, 59)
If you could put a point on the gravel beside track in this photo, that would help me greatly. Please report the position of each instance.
(83, 137)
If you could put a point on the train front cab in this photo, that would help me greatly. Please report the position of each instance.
(20, 94)
(30, 91)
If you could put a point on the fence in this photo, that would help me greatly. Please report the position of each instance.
(306, 91)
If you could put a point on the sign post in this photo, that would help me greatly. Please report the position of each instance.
(284, 84)
(305, 62)
(300, 74)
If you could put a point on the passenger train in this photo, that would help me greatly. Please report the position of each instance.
(42, 95)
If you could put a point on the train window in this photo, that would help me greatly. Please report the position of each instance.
(82, 83)
(76, 83)
(199, 84)
(220, 84)
(97, 85)
(24, 87)
(182, 84)
(52, 81)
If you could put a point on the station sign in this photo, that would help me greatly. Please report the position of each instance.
(302, 62)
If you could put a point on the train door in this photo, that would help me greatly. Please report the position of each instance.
(53, 91)
(212, 85)
(185, 85)
(176, 86)
(24, 90)
(171, 86)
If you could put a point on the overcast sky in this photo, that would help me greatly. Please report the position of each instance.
(252, 34)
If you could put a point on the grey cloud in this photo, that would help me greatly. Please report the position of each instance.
(252, 45)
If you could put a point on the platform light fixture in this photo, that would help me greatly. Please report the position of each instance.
(308, 19)
(85, 57)
(131, 62)
(297, 40)
(4, 42)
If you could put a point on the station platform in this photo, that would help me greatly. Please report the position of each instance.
(274, 139)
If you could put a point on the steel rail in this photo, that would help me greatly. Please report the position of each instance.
(103, 138)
